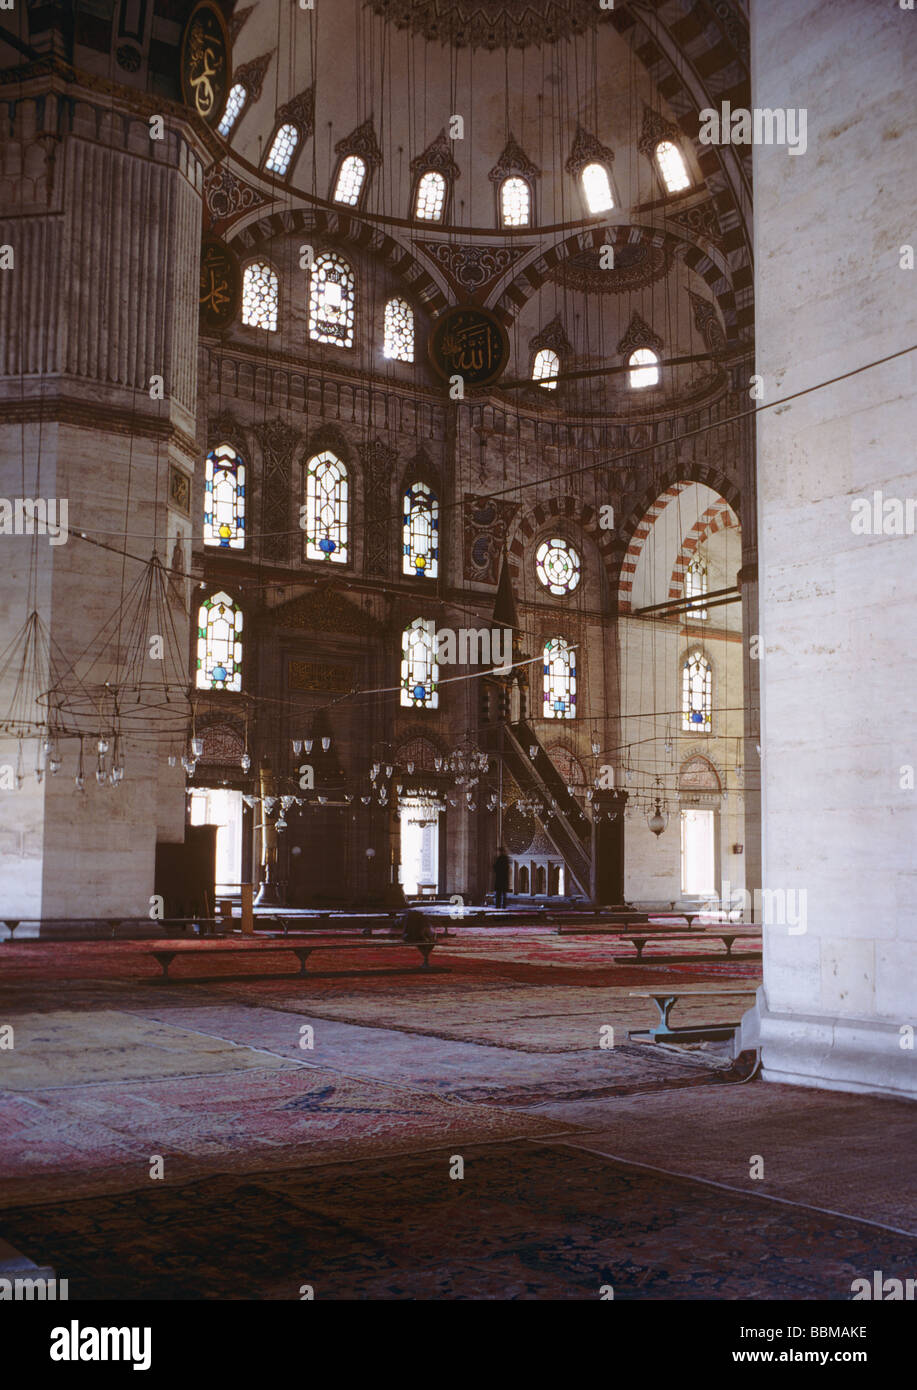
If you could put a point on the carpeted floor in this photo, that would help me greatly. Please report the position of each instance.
(525, 1222)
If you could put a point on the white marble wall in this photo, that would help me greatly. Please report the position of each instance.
(839, 673)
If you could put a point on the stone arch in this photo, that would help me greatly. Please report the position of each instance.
(340, 229)
(633, 532)
(560, 509)
(717, 517)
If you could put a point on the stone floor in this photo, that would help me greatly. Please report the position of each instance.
(239, 1137)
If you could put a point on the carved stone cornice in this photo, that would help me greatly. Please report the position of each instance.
(587, 148)
(639, 335)
(363, 142)
(513, 160)
(300, 111)
(251, 74)
(437, 155)
(104, 418)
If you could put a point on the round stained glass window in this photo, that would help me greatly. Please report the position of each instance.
(557, 565)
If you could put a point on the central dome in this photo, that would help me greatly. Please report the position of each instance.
(492, 23)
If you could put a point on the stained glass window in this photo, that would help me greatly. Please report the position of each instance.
(326, 510)
(224, 498)
(696, 585)
(282, 149)
(260, 296)
(219, 644)
(559, 679)
(644, 367)
(696, 694)
(331, 301)
(597, 188)
(515, 202)
(431, 197)
(547, 363)
(419, 671)
(672, 166)
(420, 532)
(233, 109)
(557, 565)
(398, 336)
(350, 181)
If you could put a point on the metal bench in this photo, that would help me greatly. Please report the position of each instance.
(666, 999)
(728, 935)
(166, 955)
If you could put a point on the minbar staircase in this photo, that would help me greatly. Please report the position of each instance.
(567, 827)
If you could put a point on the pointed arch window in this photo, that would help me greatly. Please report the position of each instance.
(696, 694)
(597, 188)
(696, 585)
(238, 95)
(419, 670)
(546, 364)
(431, 197)
(515, 202)
(420, 523)
(327, 519)
(332, 295)
(644, 368)
(283, 147)
(350, 180)
(224, 498)
(559, 672)
(260, 296)
(219, 644)
(671, 164)
(398, 331)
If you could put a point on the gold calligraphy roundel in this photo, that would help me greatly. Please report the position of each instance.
(221, 285)
(206, 67)
(471, 343)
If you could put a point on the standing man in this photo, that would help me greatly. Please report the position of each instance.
(501, 877)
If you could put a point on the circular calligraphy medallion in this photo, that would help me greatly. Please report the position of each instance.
(221, 285)
(206, 67)
(471, 343)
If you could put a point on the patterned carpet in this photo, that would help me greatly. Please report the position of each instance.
(525, 1222)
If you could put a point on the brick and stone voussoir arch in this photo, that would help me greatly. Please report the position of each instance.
(717, 517)
(559, 509)
(654, 501)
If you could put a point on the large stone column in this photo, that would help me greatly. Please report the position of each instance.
(104, 223)
(839, 672)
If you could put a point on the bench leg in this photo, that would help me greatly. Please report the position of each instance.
(640, 942)
(302, 954)
(665, 1008)
(425, 952)
(165, 960)
(728, 941)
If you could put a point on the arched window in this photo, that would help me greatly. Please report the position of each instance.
(331, 301)
(672, 166)
(233, 108)
(431, 197)
(398, 332)
(283, 147)
(260, 296)
(597, 188)
(326, 521)
(350, 180)
(224, 498)
(696, 694)
(420, 532)
(515, 202)
(644, 367)
(559, 679)
(557, 566)
(419, 671)
(546, 364)
(696, 585)
(219, 644)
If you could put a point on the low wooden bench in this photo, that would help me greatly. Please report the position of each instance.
(728, 935)
(666, 999)
(166, 955)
